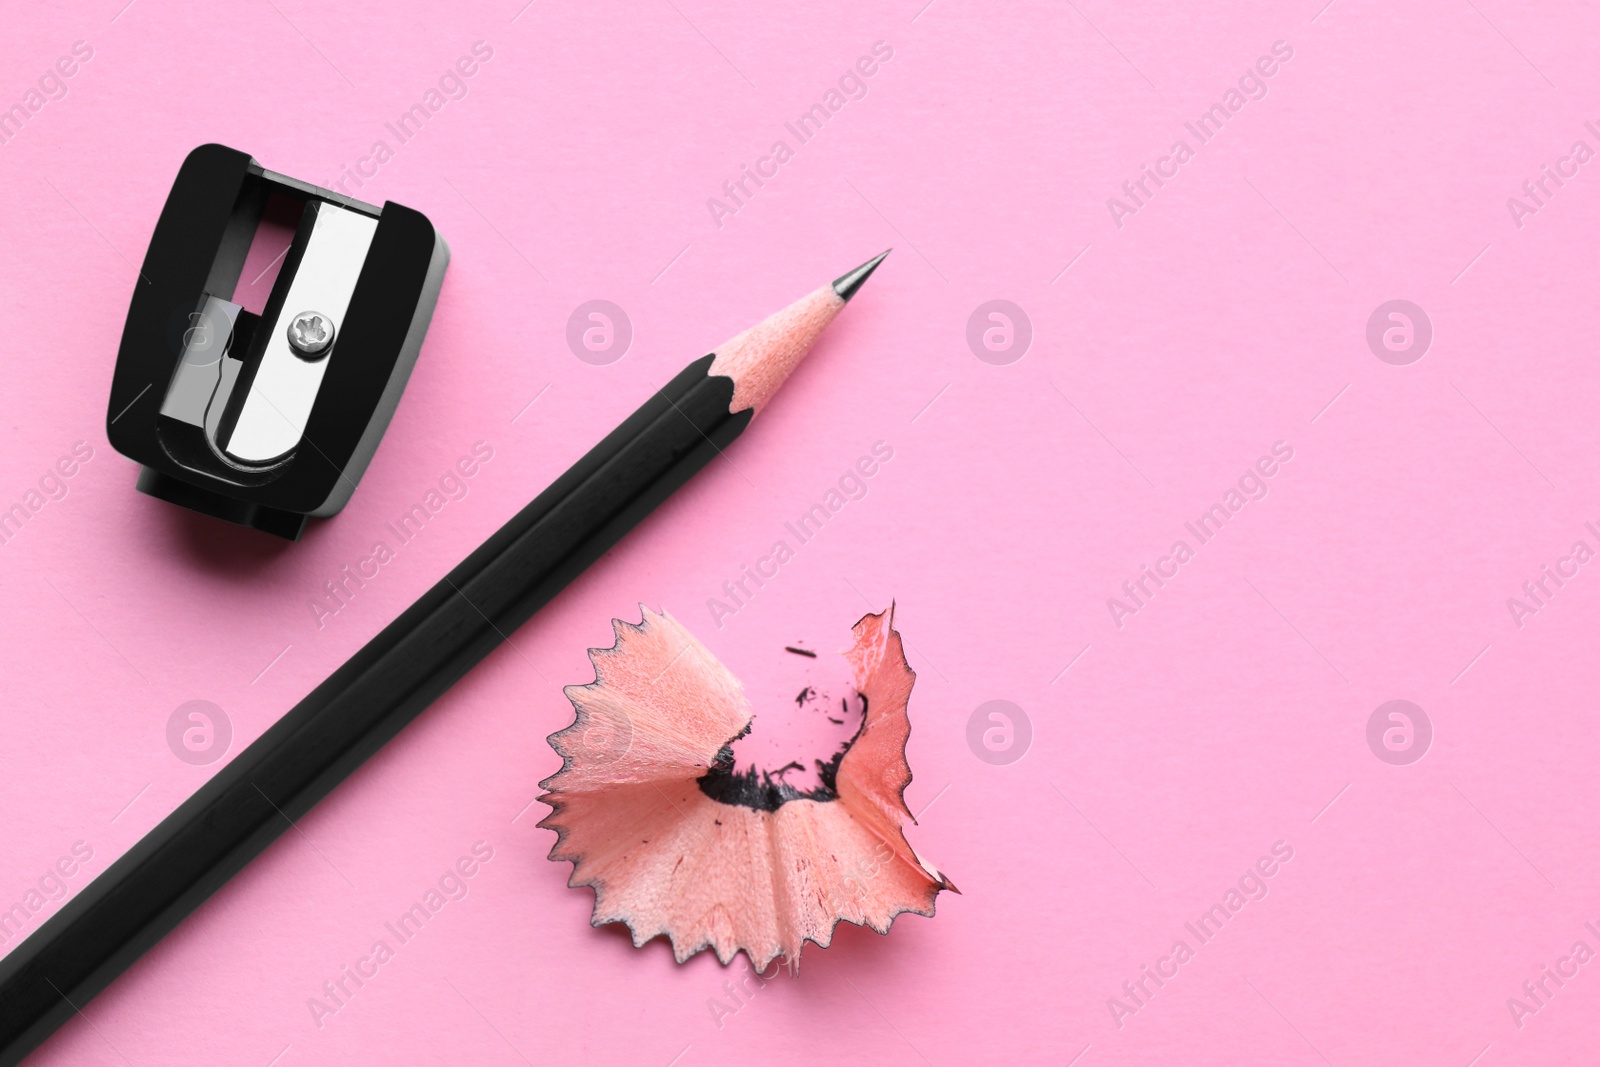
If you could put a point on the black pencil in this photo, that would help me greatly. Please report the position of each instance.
(246, 805)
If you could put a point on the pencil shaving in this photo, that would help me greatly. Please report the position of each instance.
(635, 805)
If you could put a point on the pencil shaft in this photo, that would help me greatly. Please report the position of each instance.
(214, 834)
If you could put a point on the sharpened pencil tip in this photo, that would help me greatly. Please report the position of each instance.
(760, 359)
(847, 284)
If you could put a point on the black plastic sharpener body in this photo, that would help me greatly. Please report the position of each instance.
(267, 419)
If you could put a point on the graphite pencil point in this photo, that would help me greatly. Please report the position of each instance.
(847, 284)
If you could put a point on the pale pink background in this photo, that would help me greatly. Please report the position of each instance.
(1224, 316)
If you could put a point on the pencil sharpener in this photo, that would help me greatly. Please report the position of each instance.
(263, 403)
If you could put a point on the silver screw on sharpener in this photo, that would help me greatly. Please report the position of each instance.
(310, 334)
